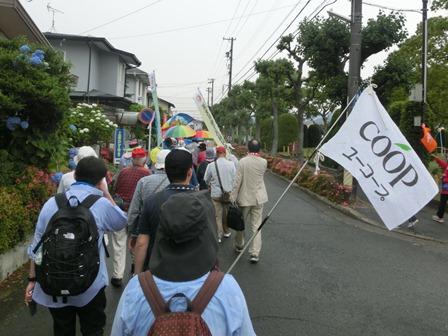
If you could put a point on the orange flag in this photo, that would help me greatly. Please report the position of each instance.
(427, 140)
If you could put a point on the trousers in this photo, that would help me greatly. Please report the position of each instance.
(442, 205)
(119, 245)
(252, 220)
(91, 318)
(221, 216)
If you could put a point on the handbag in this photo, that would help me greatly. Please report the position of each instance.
(225, 196)
(235, 219)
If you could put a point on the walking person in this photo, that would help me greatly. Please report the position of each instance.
(219, 175)
(443, 192)
(146, 186)
(179, 169)
(87, 204)
(209, 157)
(249, 192)
(69, 178)
(182, 269)
(124, 188)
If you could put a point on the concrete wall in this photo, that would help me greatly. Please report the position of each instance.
(13, 259)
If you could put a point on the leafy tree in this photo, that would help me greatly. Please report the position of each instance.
(439, 4)
(272, 84)
(34, 97)
(324, 45)
(403, 70)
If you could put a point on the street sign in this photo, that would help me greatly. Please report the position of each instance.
(146, 116)
(119, 145)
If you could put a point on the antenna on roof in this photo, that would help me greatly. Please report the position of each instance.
(53, 12)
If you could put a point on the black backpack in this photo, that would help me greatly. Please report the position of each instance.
(70, 255)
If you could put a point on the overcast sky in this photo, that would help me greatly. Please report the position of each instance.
(162, 35)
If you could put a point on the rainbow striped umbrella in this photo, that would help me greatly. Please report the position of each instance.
(180, 131)
(202, 134)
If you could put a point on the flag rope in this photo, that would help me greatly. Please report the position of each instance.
(288, 187)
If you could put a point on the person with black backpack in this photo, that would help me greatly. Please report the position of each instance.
(183, 293)
(68, 268)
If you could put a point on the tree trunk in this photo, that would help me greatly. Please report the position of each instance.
(275, 128)
(257, 129)
(300, 135)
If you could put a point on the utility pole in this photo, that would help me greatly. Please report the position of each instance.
(208, 96)
(354, 71)
(212, 82)
(229, 55)
(424, 54)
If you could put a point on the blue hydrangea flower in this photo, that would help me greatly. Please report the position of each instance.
(56, 177)
(72, 152)
(24, 124)
(73, 128)
(12, 123)
(35, 60)
(38, 53)
(24, 49)
(72, 164)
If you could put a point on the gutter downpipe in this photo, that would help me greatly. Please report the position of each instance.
(90, 65)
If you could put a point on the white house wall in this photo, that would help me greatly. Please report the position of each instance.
(108, 74)
(77, 54)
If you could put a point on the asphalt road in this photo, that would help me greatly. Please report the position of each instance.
(320, 273)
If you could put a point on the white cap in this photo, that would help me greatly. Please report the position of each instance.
(83, 152)
(160, 159)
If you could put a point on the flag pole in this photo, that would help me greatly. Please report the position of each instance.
(288, 187)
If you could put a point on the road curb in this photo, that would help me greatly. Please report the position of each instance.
(356, 214)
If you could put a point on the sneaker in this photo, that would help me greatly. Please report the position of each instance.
(116, 282)
(227, 234)
(219, 240)
(254, 259)
(238, 249)
(437, 219)
(412, 224)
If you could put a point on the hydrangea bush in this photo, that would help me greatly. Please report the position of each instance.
(88, 125)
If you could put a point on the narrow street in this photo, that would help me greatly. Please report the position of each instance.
(320, 273)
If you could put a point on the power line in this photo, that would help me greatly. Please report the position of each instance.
(121, 17)
(278, 38)
(225, 33)
(278, 51)
(247, 19)
(294, 35)
(239, 20)
(194, 26)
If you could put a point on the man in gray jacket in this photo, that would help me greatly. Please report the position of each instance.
(249, 191)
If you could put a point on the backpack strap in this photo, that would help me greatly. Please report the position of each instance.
(61, 200)
(219, 177)
(207, 291)
(152, 293)
(90, 200)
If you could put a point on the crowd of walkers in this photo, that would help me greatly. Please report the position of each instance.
(171, 213)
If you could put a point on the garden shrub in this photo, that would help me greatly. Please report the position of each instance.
(15, 221)
(88, 125)
(20, 205)
(287, 130)
(34, 97)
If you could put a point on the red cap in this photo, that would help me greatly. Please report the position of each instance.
(220, 150)
(138, 153)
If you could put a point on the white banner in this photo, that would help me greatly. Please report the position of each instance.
(371, 147)
(208, 119)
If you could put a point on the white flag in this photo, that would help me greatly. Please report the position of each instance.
(371, 147)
